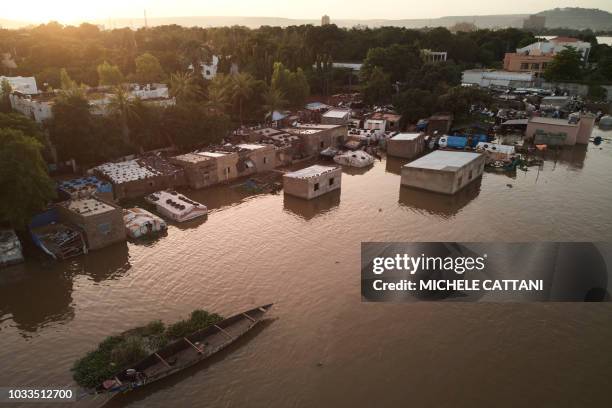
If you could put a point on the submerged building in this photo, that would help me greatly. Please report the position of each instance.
(100, 221)
(560, 132)
(312, 181)
(443, 171)
(406, 145)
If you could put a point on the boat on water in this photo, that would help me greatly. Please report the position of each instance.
(182, 353)
(357, 158)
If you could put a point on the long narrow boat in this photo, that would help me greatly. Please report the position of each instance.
(183, 353)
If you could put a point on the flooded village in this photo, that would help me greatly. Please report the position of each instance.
(275, 212)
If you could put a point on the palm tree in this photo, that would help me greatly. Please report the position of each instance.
(274, 100)
(184, 87)
(123, 108)
(217, 99)
(242, 88)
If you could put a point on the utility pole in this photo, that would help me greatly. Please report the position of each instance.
(145, 19)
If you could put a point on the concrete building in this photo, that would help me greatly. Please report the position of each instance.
(101, 221)
(560, 132)
(200, 170)
(488, 77)
(141, 176)
(208, 71)
(443, 171)
(392, 120)
(525, 62)
(440, 123)
(23, 85)
(406, 145)
(336, 116)
(233, 161)
(316, 137)
(175, 206)
(325, 20)
(312, 181)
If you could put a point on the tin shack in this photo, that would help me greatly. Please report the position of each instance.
(443, 171)
(312, 181)
(406, 145)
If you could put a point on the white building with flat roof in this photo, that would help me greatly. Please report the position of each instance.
(25, 85)
(488, 77)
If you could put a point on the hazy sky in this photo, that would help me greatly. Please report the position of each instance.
(79, 10)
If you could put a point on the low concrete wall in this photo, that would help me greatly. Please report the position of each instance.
(407, 149)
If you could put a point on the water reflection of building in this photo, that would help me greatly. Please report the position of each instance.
(572, 156)
(309, 209)
(394, 164)
(443, 205)
(34, 295)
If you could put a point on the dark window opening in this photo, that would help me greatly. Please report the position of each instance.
(331, 181)
(316, 186)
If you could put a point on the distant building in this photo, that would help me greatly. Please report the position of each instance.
(433, 56)
(536, 57)
(316, 137)
(36, 107)
(443, 171)
(312, 181)
(325, 20)
(440, 123)
(336, 116)
(534, 22)
(24, 85)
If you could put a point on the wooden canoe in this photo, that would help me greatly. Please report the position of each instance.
(184, 352)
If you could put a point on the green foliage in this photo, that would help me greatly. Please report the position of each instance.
(459, 99)
(148, 69)
(414, 104)
(184, 87)
(191, 125)
(116, 353)
(597, 92)
(5, 91)
(25, 185)
(292, 85)
(17, 121)
(109, 74)
(274, 100)
(565, 66)
(377, 88)
(397, 61)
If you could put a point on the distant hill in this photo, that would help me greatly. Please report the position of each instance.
(578, 18)
(570, 17)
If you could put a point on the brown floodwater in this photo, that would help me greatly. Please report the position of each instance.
(323, 347)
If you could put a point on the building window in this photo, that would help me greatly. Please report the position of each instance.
(227, 170)
(322, 144)
(459, 181)
(535, 66)
(544, 65)
(265, 160)
(471, 175)
(104, 228)
(524, 65)
(331, 181)
(316, 187)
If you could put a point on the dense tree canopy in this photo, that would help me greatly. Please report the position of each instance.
(565, 66)
(24, 183)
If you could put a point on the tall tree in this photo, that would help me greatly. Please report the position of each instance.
(5, 91)
(184, 87)
(148, 69)
(109, 74)
(242, 88)
(274, 100)
(565, 66)
(121, 106)
(25, 185)
(377, 87)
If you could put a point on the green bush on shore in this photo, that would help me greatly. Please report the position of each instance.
(116, 353)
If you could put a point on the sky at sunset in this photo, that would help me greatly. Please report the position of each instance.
(73, 11)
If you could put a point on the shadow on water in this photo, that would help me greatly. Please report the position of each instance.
(222, 196)
(356, 171)
(49, 286)
(309, 209)
(443, 205)
(171, 381)
(571, 156)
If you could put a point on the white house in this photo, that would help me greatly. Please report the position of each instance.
(209, 71)
(25, 85)
(36, 108)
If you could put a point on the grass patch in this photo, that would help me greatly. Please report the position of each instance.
(116, 353)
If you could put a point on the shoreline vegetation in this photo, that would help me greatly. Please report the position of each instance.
(118, 352)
